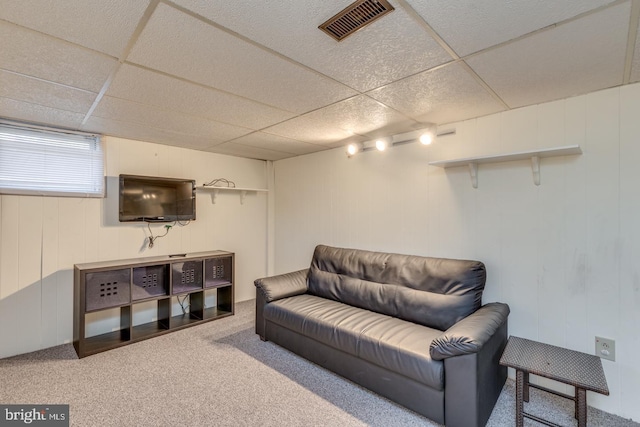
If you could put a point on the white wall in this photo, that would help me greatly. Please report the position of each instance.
(564, 255)
(41, 238)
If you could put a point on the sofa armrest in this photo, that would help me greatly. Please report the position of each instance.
(277, 287)
(471, 333)
(474, 382)
(283, 286)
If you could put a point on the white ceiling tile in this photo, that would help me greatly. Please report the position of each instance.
(278, 143)
(391, 48)
(105, 26)
(41, 92)
(126, 111)
(469, 25)
(186, 47)
(359, 115)
(445, 95)
(34, 54)
(20, 110)
(575, 58)
(309, 130)
(241, 150)
(347, 141)
(143, 132)
(148, 87)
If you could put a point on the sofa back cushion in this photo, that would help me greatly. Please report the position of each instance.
(434, 292)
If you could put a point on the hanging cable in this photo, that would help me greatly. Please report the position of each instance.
(218, 181)
(184, 309)
(153, 239)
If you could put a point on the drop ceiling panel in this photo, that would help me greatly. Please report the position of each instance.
(41, 92)
(241, 150)
(142, 132)
(391, 48)
(308, 130)
(444, 95)
(181, 45)
(359, 115)
(97, 24)
(469, 26)
(578, 57)
(28, 52)
(20, 110)
(126, 111)
(151, 88)
(278, 143)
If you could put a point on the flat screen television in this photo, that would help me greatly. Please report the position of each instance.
(154, 199)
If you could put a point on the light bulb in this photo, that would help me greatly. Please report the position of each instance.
(381, 144)
(426, 138)
(352, 149)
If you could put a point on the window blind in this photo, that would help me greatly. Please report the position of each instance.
(46, 162)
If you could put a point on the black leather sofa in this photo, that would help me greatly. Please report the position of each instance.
(409, 328)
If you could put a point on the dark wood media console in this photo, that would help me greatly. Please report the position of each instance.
(163, 284)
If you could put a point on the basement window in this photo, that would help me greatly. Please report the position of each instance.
(50, 162)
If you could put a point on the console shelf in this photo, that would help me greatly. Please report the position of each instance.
(184, 320)
(216, 312)
(148, 330)
(99, 343)
(205, 279)
(534, 155)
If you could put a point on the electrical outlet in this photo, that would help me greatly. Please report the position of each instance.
(606, 348)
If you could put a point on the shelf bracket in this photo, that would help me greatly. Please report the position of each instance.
(535, 169)
(473, 172)
(214, 193)
(243, 194)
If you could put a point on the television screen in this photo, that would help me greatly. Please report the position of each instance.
(146, 198)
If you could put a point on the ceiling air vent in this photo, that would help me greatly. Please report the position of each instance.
(354, 17)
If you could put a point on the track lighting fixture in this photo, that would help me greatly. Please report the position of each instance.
(426, 136)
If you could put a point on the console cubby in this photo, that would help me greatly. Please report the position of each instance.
(158, 323)
(120, 329)
(121, 302)
(107, 289)
(186, 276)
(217, 272)
(218, 302)
(193, 305)
(150, 281)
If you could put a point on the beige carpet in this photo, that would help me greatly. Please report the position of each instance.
(220, 374)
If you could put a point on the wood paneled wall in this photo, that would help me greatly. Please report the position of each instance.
(564, 255)
(41, 238)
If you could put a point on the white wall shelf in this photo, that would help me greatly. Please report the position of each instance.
(535, 156)
(243, 191)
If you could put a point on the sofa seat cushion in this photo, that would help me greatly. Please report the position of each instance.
(402, 347)
(394, 344)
